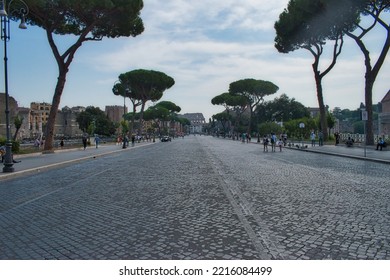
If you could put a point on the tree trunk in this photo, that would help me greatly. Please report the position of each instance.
(317, 52)
(63, 63)
(141, 117)
(133, 120)
(50, 126)
(250, 120)
(16, 134)
(369, 83)
(320, 98)
(371, 75)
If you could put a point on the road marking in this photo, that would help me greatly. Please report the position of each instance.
(243, 210)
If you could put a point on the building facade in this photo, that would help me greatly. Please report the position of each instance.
(115, 113)
(12, 106)
(39, 114)
(314, 112)
(384, 116)
(197, 122)
(34, 120)
(66, 124)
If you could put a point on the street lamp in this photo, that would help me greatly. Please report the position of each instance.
(125, 139)
(15, 9)
(364, 119)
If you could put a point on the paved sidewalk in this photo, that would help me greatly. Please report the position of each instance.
(357, 152)
(33, 163)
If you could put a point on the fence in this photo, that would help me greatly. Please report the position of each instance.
(359, 138)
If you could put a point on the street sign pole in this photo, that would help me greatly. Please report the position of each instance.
(364, 119)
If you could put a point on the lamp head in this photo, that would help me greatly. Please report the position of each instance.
(3, 12)
(23, 24)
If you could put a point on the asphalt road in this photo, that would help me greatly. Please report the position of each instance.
(199, 198)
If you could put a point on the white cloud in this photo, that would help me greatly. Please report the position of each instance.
(206, 45)
(253, 15)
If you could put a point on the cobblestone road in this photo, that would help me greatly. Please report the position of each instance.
(200, 198)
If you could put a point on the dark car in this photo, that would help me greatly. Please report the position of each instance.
(165, 138)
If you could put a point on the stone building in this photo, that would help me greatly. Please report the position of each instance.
(25, 129)
(197, 122)
(12, 106)
(66, 124)
(34, 120)
(314, 112)
(115, 113)
(384, 116)
(39, 115)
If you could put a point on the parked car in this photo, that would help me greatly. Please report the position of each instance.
(165, 138)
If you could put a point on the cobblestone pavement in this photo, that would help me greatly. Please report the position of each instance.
(199, 198)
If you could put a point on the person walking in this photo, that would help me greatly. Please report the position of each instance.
(265, 143)
(313, 138)
(84, 141)
(337, 138)
(273, 142)
(132, 140)
(280, 144)
(97, 141)
(320, 138)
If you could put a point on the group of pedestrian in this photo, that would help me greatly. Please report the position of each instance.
(246, 137)
(314, 136)
(85, 138)
(274, 141)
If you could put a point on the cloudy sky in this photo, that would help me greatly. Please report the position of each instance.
(204, 45)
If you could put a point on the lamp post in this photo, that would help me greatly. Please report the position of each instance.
(14, 9)
(124, 146)
(364, 119)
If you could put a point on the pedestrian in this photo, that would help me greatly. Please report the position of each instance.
(84, 141)
(284, 137)
(2, 153)
(313, 138)
(62, 143)
(243, 137)
(349, 142)
(125, 142)
(132, 140)
(265, 143)
(97, 140)
(280, 144)
(320, 138)
(337, 138)
(273, 142)
(37, 143)
(381, 144)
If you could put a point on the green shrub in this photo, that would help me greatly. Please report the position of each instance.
(15, 145)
